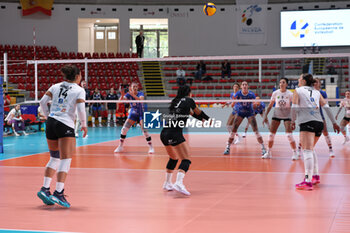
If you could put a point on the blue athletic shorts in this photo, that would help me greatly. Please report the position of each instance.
(246, 114)
(135, 115)
(96, 108)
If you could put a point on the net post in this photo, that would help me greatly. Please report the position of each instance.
(260, 70)
(36, 79)
(5, 71)
(1, 116)
(86, 70)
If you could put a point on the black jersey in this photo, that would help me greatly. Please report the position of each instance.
(112, 97)
(96, 96)
(180, 112)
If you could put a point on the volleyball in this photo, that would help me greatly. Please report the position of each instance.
(209, 9)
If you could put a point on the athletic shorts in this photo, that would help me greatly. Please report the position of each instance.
(56, 129)
(312, 126)
(245, 114)
(96, 108)
(134, 115)
(280, 119)
(111, 106)
(346, 119)
(171, 137)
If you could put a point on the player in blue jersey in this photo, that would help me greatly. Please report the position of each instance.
(135, 115)
(232, 116)
(317, 86)
(244, 110)
(259, 108)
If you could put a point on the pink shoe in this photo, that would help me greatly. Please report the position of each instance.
(304, 186)
(315, 179)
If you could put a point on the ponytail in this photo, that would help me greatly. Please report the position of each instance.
(309, 79)
(182, 92)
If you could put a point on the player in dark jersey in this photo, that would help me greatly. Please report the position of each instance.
(317, 86)
(96, 108)
(244, 109)
(135, 115)
(173, 140)
(112, 95)
(259, 108)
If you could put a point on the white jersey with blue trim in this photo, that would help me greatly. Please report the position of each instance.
(309, 104)
(283, 102)
(64, 102)
(346, 104)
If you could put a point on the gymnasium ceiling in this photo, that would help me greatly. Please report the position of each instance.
(167, 2)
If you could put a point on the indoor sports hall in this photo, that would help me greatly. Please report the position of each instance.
(175, 116)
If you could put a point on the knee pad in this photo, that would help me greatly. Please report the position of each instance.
(308, 154)
(55, 154)
(53, 163)
(185, 165)
(290, 137)
(272, 136)
(257, 134)
(124, 130)
(65, 165)
(146, 134)
(171, 164)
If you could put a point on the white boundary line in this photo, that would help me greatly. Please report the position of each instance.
(191, 171)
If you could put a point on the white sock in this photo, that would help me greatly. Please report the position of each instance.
(308, 164)
(99, 119)
(315, 163)
(262, 146)
(168, 177)
(59, 186)
(109, 118)
(180, 177)
(47, 182)
(329, 142)
(114, 119)
(93, 120)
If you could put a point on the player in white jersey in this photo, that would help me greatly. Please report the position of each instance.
(67, 98)
(345, 103)
(282, 99)
(306, 107)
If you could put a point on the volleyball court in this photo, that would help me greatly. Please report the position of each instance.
(238, 191)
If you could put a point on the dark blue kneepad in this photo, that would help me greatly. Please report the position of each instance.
(55, 154)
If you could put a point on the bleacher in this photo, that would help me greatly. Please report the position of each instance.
(101, 75)
(221, 88)
(243, 70)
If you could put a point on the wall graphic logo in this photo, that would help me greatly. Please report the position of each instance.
(299, 29)
(152, 120)
(247, 16)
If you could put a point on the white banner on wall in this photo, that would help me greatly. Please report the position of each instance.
(251, 22)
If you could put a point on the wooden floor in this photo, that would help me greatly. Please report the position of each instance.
(236, 193)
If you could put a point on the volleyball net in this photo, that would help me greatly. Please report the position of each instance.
(159, 76)
(159, 80)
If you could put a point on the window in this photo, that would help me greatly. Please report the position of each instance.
(99, 35)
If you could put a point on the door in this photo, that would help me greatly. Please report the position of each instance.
(106, 39)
